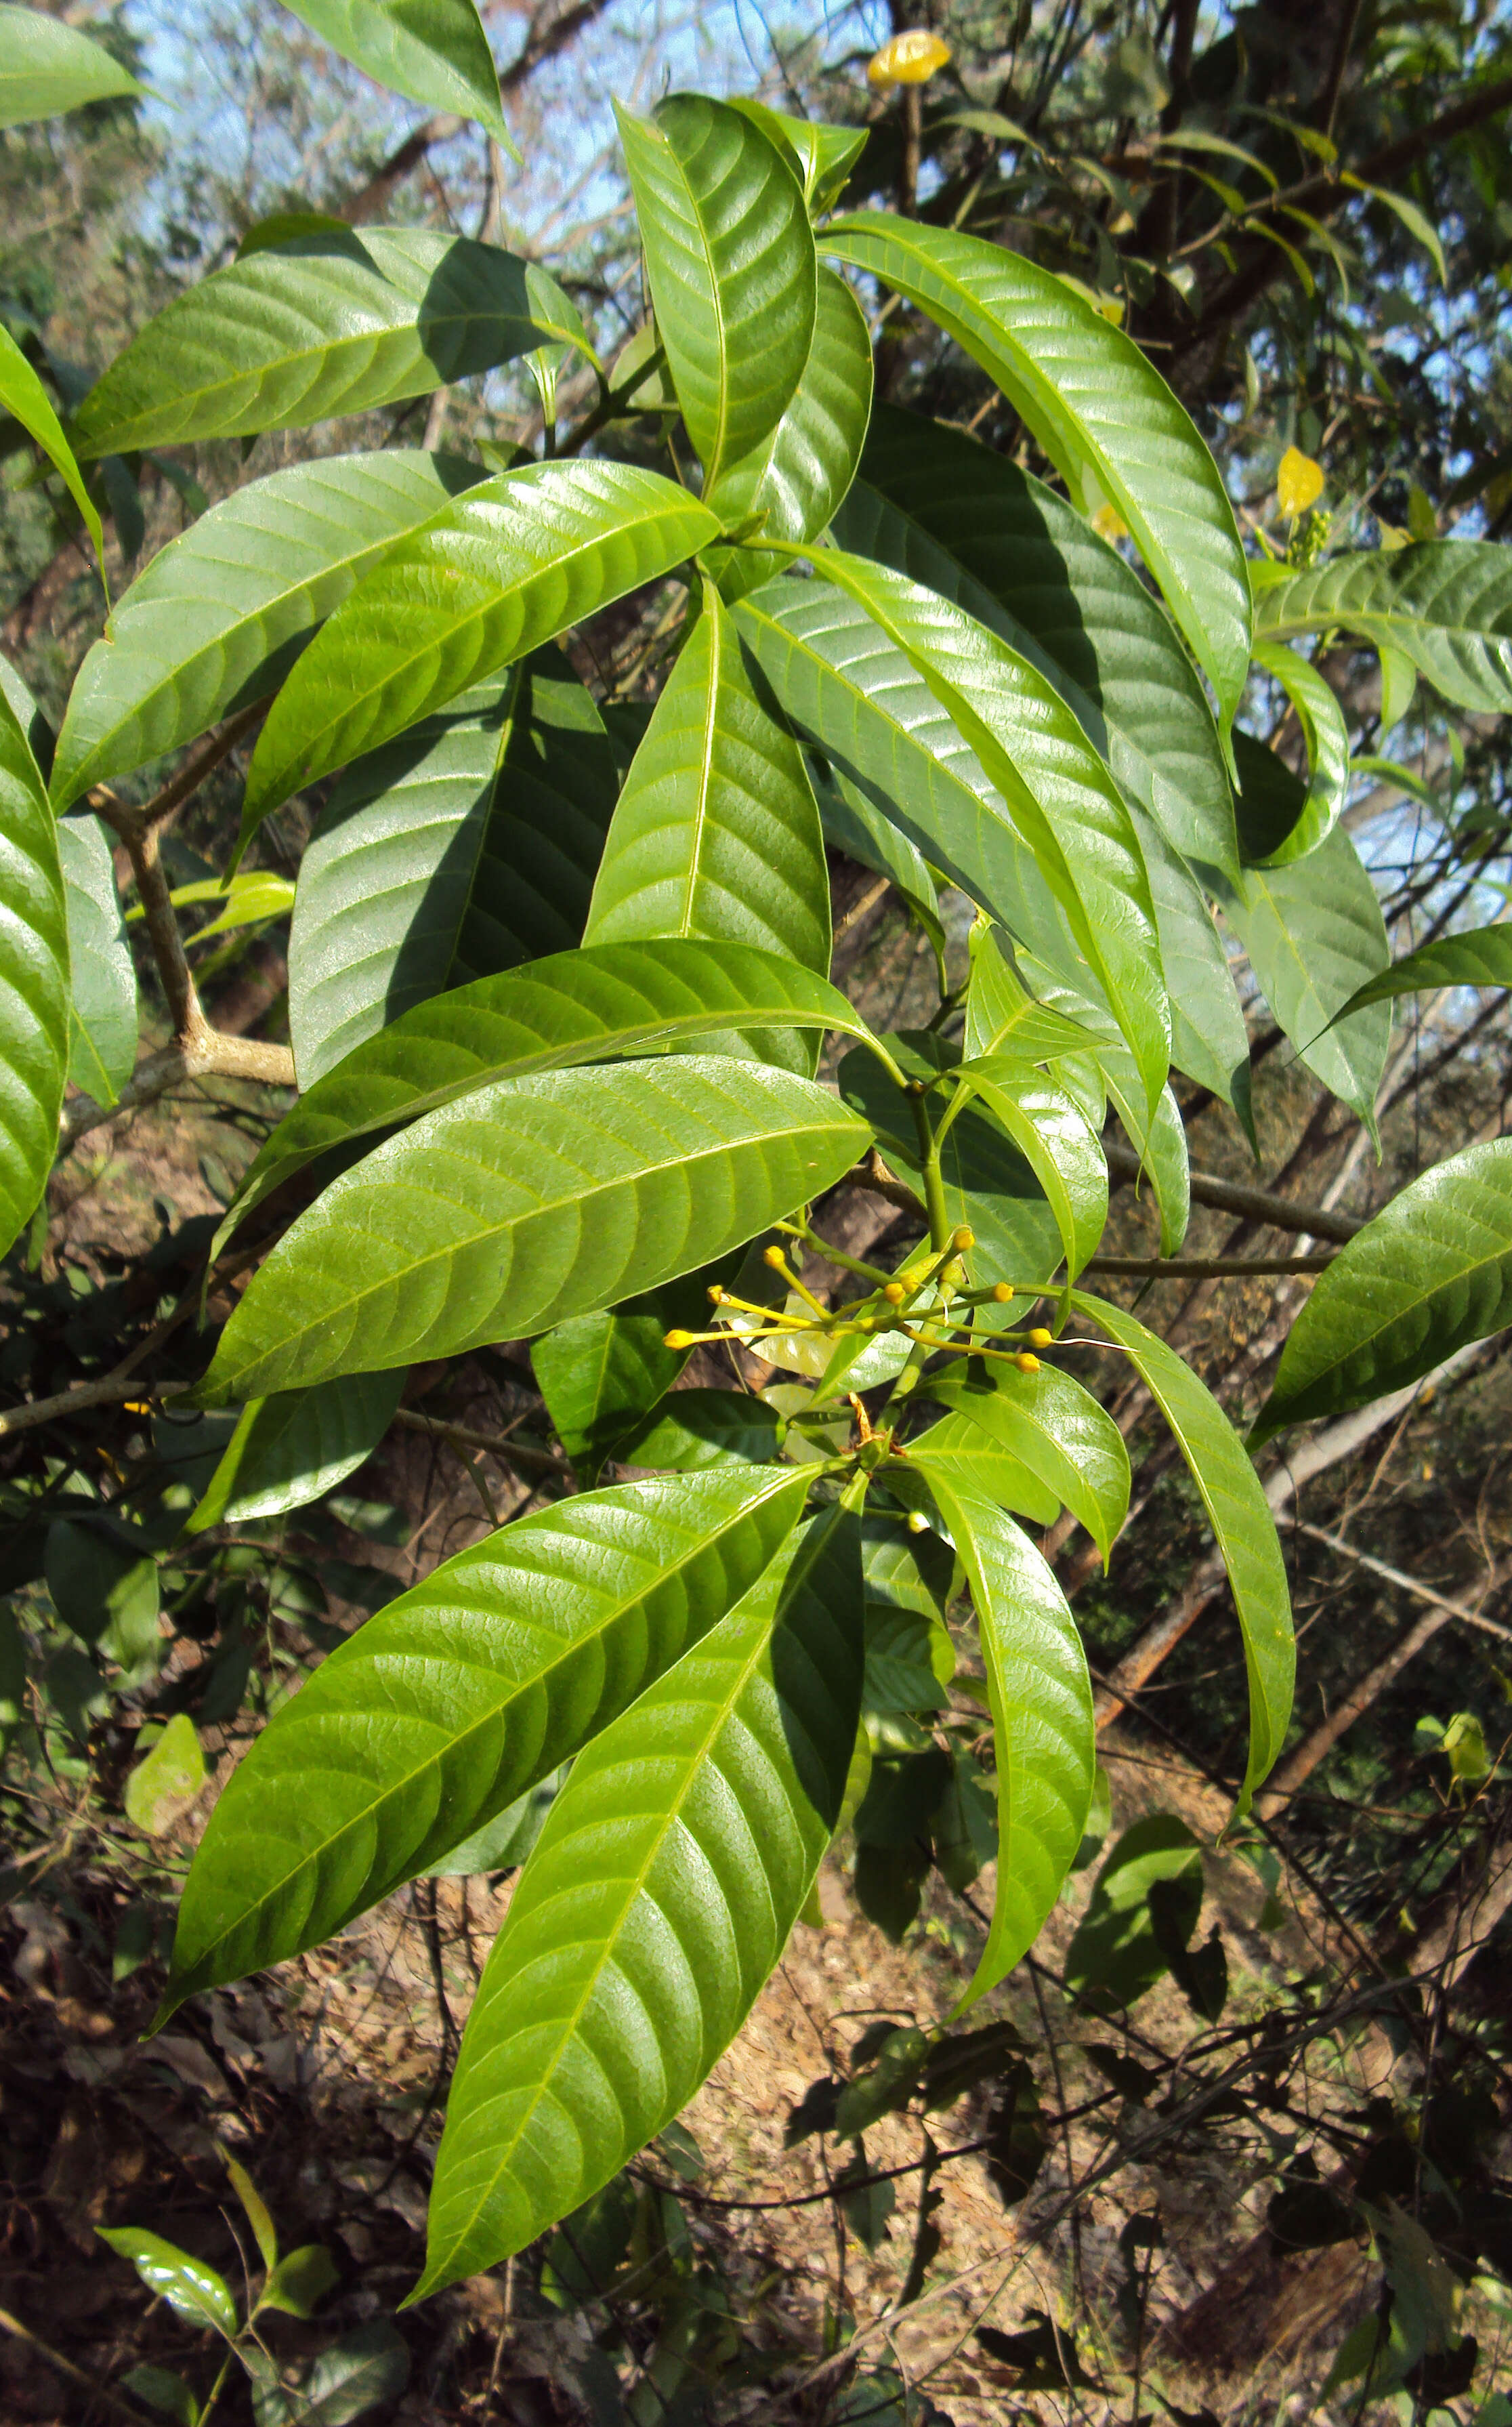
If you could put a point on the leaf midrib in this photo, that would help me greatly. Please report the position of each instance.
(1466, 1272)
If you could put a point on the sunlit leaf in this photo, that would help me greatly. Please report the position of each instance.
(435, 52)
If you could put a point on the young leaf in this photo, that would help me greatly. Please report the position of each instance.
(1051, 1133)
(1481, 957)
(518, 559)
(103, 1012)
(1326, 736)
(167, 1779)
(1242, 1523)
(221, 613)
(1430, 1272)
(456, 851)
(658, 1900)
(292, 1449)
(192, 2290)
(1446, 605)
(46, 68)
(824, 154)
(1056, 1428)
(489, 1675)
(958, 1451)
(34, 980)
(526, 1203)
(1098, 407)
(933, 504)
(22, 394)
(255, 2209)
(1314, 934)
(731, 262)
(717, 831)
(323, 324)
(1042, 1729)
(592, 1005)
(435, 52)
(1002, 1017)
(1061, 799)
(796, 478)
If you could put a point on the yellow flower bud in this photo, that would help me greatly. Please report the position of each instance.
(1298, 482)
(917, 1522)
(964, 1240)
(677, 1340)
(1001, 1293)
(908, 59)
(1026, 1363)
(1040, 1337)
(716, 1296)
(1109, 524)
(774, 1257)
(894, 1292)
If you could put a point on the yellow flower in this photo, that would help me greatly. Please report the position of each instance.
(1109, 524)
(909, 59)
(1298, 482)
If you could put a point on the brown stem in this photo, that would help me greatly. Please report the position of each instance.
(96, 2391)
(460, 1437)
(1193, 1268)
(210, 1054)
(141, 838)
(1280, 1212)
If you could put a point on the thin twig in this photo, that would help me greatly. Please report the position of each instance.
(461, 1437)
(1203, 1268)
(1279, 1213)
(66, 2368)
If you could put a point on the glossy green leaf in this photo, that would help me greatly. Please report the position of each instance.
(103, 1008)
(526, 1203)
(796, 478)
(291, 1449)
(1003, 1018)
(1056, 1428)
(435, 52)
(1051, 1133)
(46, 68)
(1430, 1272)
(1446, 605)
(730, 263)
(1208, 1039)
(105, 1588)
(34, 980)
(518, 559)
(854, 824)
(824, 154)
(249, 899)
(167, 1779)
(324, 325)
(1327, 737)
(459, 1697)
(1241, 1523)
(1061, 799)
(1043, 1730)
(592, 1005)
(717, 833)
(1098, 407)
(299, 2281)
(600, 1375)
(933, 504)
(22, 394)
(658, 1898)
(1481, 957)
(192, 2290)
(959, 1452)
(689, 1430)
(1115, 1957)
(1314, 934)
(220, 615)
(459, 850)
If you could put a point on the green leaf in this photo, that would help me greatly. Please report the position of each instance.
(435, 52)
(601, 1374)
(1481, 957)
(362, 2368)
(105, 1588)
(1432, 1271)
(1061, 800)
(518, 559)
(220, 615)
(933, 504)
(717, 833)
(255, 2209)
(300, 2281)
(1314, 934)
(1002, 1017)
(1326, 736)
(1208, 1039)
(22, 394)
(1043, 1728)
(526, 1203)
(1446, 605)
(1114, 1957)
(823, 155)
(250, 899)
(456, 851)
(592, 1005)
(166, 2391)
(192, 2290)
(289, 1450)
(1098, 407)
(487, 1676)
(1056, 1430)
(855, 825)
(658, 1900)
(324, 325)
(166, 1780)
(960, 1452)
(1052, 1134)
(103, 1012)
(1416, 222)
(796, 478)
(689, 1430)
(34, 981)
(730, 263)
(1241, 1523)
(47, 69)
